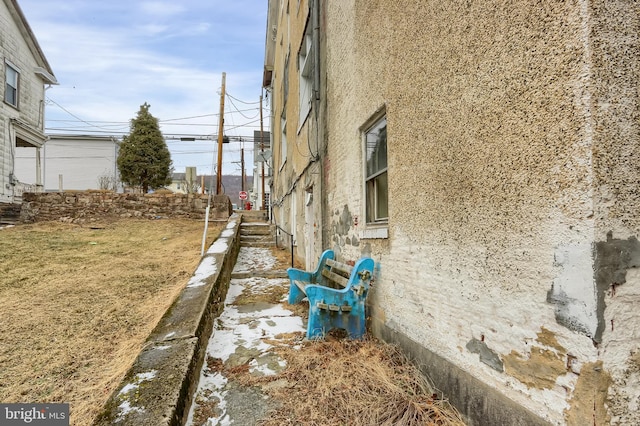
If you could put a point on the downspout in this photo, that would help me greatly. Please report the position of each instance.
(315, 16)
(320, 132)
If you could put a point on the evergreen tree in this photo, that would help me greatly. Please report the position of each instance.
(144, 159)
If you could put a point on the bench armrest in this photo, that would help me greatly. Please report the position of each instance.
(300, 275)
(311, 276)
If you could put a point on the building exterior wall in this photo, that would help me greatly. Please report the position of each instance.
(19, 47)
(511, 250)
(296, 186)
(83, 162)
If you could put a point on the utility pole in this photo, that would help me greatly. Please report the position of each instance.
(242, 165)
(262, 153)
(221, 136)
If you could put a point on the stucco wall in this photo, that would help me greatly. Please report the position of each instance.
(297, 186)
(513, 147)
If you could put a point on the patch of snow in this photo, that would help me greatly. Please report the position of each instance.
(254, 258)
(162, 348)
(126, 408)
(170, 335)
(139, 378)
(207, 268)
(219, 246)
(249, 326)
(227, 233)
(255, 366)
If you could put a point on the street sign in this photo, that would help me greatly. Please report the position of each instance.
(243, 195)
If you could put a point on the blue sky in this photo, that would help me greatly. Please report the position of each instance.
(112, 56)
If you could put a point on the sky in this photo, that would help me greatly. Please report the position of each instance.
(110, 57)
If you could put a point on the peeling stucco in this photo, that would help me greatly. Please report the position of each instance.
(573, 289)
(540, 370)
(589, 397)
(613, 258)
(487, 356)
(548, 338)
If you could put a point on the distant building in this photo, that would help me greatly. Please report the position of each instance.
(231, 185)
(74, 162)
(24, 73)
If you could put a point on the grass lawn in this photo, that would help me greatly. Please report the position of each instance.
(78, 302)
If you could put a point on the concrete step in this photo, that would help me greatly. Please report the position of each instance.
(256, 229)
(254, 216)
(257, 244)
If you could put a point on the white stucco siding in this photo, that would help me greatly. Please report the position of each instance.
(494, 237)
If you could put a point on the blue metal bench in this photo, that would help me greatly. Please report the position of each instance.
(336, 294)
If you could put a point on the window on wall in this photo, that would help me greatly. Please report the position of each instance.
(11, 86)
(377, 200)
(305, 72)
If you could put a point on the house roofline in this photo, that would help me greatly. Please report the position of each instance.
(44, 71)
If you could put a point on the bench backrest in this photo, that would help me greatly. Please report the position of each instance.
(342, 276)
(337, 272)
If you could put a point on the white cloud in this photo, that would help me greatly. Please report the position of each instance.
(111, 57)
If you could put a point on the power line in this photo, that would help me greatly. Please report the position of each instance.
(243, 102)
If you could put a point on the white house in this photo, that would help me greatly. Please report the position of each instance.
(72, 162)
(25, 73)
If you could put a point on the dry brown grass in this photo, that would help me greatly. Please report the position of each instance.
(77, 304)
(283, 258)
(343, 382)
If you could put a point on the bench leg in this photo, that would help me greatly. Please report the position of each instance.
(295, 294)
(321, 322)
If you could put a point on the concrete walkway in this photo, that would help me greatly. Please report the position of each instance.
(253, 321)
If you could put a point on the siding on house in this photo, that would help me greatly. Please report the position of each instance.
(82, 162)
(23, 125)
(509, 265)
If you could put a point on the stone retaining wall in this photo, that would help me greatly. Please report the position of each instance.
(91, 205)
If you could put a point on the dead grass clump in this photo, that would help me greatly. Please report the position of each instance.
(78, 303)
(358, 383)
(283, 258)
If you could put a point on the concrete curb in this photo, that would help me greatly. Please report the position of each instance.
(158, 387)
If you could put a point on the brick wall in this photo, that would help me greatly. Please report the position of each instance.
(92, 205)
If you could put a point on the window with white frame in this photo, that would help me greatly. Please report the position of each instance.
(305, 73)
(12, 76)
(377, 200)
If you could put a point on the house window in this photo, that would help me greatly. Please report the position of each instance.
(11, 87)
(305, 70)
(377, 200)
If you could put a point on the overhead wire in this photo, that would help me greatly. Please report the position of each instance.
(241, 101)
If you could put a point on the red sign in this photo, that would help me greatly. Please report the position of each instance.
(243, 195)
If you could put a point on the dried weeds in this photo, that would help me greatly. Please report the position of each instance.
(359, 383)
(78, 303)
